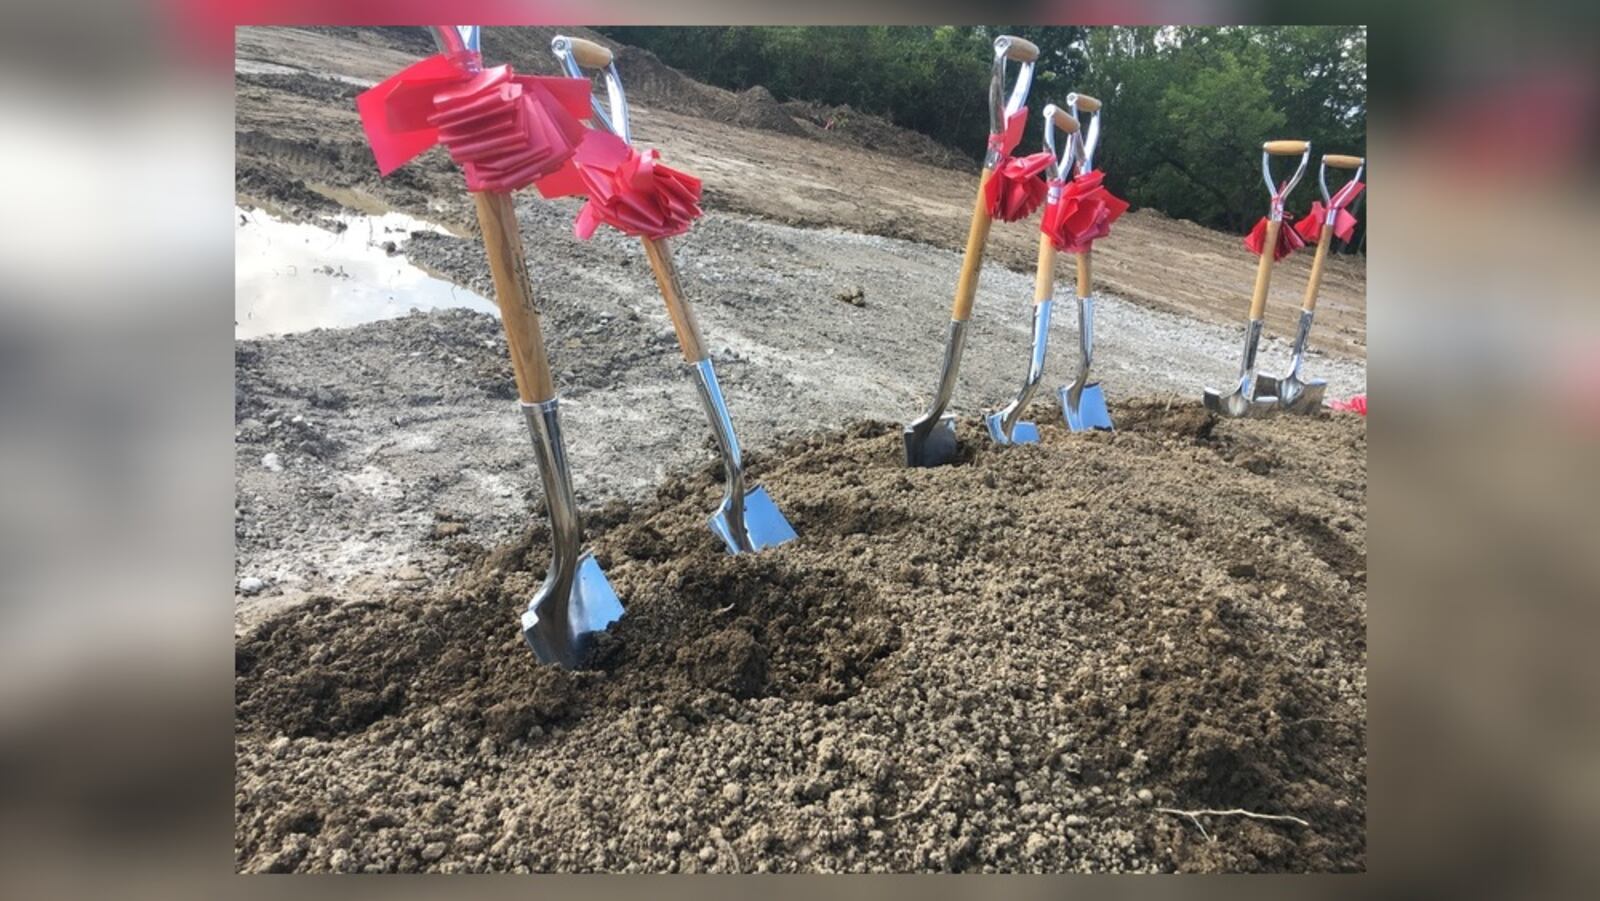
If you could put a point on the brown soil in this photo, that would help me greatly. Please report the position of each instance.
(1006, 664)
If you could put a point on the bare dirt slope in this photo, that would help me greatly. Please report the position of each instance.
(1010, 664)
(298, 133)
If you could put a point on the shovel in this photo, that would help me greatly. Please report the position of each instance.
(1294, 394)
(1004, 425)
(1083, 402)
(931, 438)
(746, 520)
(576, 601)
(1242, 400)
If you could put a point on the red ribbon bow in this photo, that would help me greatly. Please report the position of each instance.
(1289, 240)
(1344, 224)
(1083, 214)
(627, 190)
(1014, 190)
(506, 130)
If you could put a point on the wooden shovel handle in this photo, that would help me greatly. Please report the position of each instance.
(513, 292)
(1258, 297)
(1315, 283)
(1021, 50)
(972, 259)
(1085, 281)
(1063, 120)
(1285, 148)
(588, 54)
(1044, 276)
(1341, 161)
(1088, 104)
(678, 310)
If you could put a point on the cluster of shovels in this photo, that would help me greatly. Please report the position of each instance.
(509, 131)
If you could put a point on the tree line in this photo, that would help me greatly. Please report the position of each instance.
(1187, 107)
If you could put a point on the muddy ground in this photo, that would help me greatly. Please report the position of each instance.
(1009, 664)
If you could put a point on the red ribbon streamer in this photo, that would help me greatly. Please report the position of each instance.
(1083, 214)
(1356, 404)
(1014, 189)
(506, 130)
(1344, 224)
(1289, 240)
(627, 190)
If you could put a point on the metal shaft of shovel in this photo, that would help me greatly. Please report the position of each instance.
(931, 438)
(1294, 393)
(1242, 400)
(1005, 424)
(576, 601)
(1083, 403)
(746, 520)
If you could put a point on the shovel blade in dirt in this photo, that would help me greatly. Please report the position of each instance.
(568, 612)
(1090, 411)
(931, 441)
(764, 525)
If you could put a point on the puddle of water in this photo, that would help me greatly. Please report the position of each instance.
(293, 277)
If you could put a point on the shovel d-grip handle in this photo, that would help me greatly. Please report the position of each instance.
(1001, 107)
(1279, 192)
(1325, 236)
(578, 59)
(513, 293)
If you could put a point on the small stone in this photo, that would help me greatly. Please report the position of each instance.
(272, 462)
(1035, 844)
(410, 573)
(854, 295)
(708, 854)
(469, 841)
(1146, 797)
(251, 585)
(733, 792)
(433, 851)
(1075, 820)
(278, 746)
(390, 248)
(447, 529)
(674, 839)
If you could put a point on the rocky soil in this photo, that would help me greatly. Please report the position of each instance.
(1022, 662)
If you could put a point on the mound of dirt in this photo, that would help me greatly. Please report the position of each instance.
(1013, 663)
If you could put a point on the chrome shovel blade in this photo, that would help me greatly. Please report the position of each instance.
(1237, 405)
(763, 523)
(1090, 411)
(1021, 432)
(563, 620)
(931, 442)
(1267, 386)
(1302, 397)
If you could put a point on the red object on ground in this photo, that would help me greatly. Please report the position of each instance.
(1083, 214)
(506, 130)
(627, 190)
(1356, 404)
(1289, 240)
(1344, 224)
(1014, 190)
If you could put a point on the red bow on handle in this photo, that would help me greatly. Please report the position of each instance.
(1344, 224)
(1289, 240)
(1083, 214)
(627, 190)
(506, 130)
(1014, 190)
